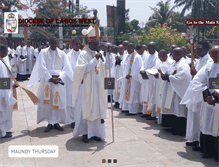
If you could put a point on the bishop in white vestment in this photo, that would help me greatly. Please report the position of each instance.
(54, 72)
(6, 98)
(90, 97)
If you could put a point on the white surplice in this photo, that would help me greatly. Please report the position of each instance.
(36, 52)
(151, 62)
(159, 84)
(6, 103)
(193, 118)
(118, 73)
(90, 98)
(179, 83)
(132, 105)
(30, 54)
(72, 57)
(22, 65)
(194, 95)
(112, 65)
(43, 73)
(13, 62)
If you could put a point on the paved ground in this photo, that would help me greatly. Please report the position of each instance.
(138, 143)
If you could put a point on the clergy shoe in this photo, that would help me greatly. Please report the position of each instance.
(73, 125)
(58, 127)
(85, 139)
(48, 128)
(151, 118)
(124, 111)
(145, 116)
(96, 138)
(207, 156)
(194, 143)
(7, 135)
(116, 105)
(129, 114)
(9, 132)
(168, 130)
(197, 148)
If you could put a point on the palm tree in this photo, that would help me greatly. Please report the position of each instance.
(162, 13)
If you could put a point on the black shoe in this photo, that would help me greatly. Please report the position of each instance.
(145, 116)
(151, 118)
(58, 127)
(48, 128)
(85, 139)
(140, 113)
(124, 111)
(207, 156)
(7, 135)
(174, 132)
(128, 114)
(96, 138)
(73, 125)
(197, 148)
(9, 132)
(194, 143)
(168, 130)
(116, 105)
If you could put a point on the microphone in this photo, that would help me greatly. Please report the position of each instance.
(101, 57)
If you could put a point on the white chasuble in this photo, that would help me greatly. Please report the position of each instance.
(22, 66)
(53, 98)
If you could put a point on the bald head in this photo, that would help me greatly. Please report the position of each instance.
(184, 51)
(131, 48)
(125, 44)
(177, 54)
(144, 47)
(120, 49)
(162, 55)
(151, 47)
(76, 44)
(215, 53)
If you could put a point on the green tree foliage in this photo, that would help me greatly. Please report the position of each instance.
(162, 13)
(163, 36)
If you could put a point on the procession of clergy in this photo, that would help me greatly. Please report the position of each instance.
(164, 87)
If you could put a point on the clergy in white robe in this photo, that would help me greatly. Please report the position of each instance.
(130, 90)
(159, 83)
(54, 72)
(125, 45)
(90, 97)
(111, 72)
(193, 117)
(22, 61)
(37, 51)
(178, 78)
(6, 98)
(73, 57)
(118, 73)
(171, 50)
(67, 49)
(200, 91)
(12, 59)
(150, 64)
(30, 58)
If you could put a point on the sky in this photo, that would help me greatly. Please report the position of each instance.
(138, 9)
